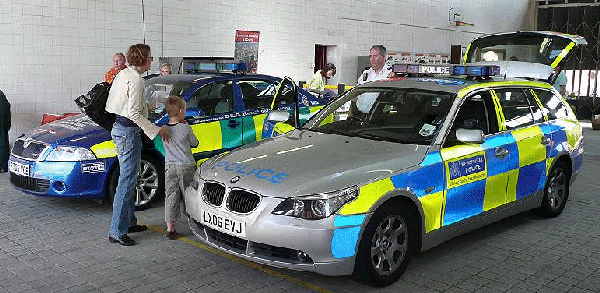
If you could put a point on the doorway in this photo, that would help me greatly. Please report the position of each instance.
(320, 57)
(327, 54)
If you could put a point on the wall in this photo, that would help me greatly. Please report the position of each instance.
(55, 50)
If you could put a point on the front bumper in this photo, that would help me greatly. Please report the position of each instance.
(63, 179)
(274, 240)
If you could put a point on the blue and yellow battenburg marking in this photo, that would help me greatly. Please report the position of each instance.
(464, 181)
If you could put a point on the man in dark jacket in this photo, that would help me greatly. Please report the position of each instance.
(4, 127)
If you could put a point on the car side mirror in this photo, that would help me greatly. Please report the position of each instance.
(278, 116)
(469, 135)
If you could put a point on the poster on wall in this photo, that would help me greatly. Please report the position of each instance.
(246, 48)
(416, 57)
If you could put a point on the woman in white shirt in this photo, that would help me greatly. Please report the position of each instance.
(127, 102)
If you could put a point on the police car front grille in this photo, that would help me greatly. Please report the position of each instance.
(213, 193)
(28, 149)
(28, 183)
(242, 201)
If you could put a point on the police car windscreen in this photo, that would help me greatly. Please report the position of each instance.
(398, 115)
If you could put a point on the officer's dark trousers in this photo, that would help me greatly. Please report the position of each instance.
(4, 148)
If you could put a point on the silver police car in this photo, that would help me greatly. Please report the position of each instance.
(412, 163)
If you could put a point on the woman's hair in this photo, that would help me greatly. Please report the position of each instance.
(326, 68)
(137, 55)
(173, 105)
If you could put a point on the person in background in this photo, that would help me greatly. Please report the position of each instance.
(379, 70)
(4, 128)
(127, 102)
(118, 65)
(165, 69)
(319, 79)
(558, 79)
(179, 161)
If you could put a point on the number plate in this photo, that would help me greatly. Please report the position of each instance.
(224, 224)
(18, 168)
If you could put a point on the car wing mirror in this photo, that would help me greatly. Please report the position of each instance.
(469, 135)
(278, 116)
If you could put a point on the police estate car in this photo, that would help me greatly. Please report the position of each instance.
(75, 157)
(416, 161)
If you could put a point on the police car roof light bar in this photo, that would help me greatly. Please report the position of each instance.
(447, 69)
(218, 67)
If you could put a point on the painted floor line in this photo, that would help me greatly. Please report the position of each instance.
(248, 263)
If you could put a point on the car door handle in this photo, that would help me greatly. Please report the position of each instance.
(546, 141)
(501, 153)
(233, 123)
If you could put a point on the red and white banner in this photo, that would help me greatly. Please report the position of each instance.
(246, 48)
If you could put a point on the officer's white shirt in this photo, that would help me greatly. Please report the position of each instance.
(365, 101)
(371, 75)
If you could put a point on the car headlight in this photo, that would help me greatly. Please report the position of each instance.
(70, 154)
(318, 206)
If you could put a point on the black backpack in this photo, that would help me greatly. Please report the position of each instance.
(93, 105)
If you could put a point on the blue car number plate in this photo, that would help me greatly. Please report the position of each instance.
(223, 223)
(18, 168)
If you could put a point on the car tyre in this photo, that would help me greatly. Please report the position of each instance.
(556, 192)
(150, 183)
(386, 246)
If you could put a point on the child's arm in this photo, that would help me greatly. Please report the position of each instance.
(192, 137)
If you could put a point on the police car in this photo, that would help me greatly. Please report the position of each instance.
(438, 152)
(75, 157)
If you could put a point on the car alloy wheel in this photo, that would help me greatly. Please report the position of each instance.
(150, 185)
(147, 184)
(556, 189)
(389, 245)
(556, 192)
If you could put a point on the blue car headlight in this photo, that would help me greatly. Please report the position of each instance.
(318, 206)
(70, 154)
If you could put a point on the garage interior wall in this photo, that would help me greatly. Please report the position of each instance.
(55, 50)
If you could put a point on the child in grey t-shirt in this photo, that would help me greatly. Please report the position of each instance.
(179, 162)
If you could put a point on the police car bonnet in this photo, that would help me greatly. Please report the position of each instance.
(529, 54)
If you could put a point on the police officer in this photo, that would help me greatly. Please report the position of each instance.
(379, 70)
(4, 127)
(558, 79)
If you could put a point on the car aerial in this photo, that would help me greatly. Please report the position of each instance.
(74, 157)
(439, 151)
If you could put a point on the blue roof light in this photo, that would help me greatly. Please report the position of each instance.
(215, 66)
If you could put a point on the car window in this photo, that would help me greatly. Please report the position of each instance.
(156, 95)
(257, 94)
(476, 112)
(553, 104)
(516, 108)
(396, 115)
(213, 98)
(286, 98)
